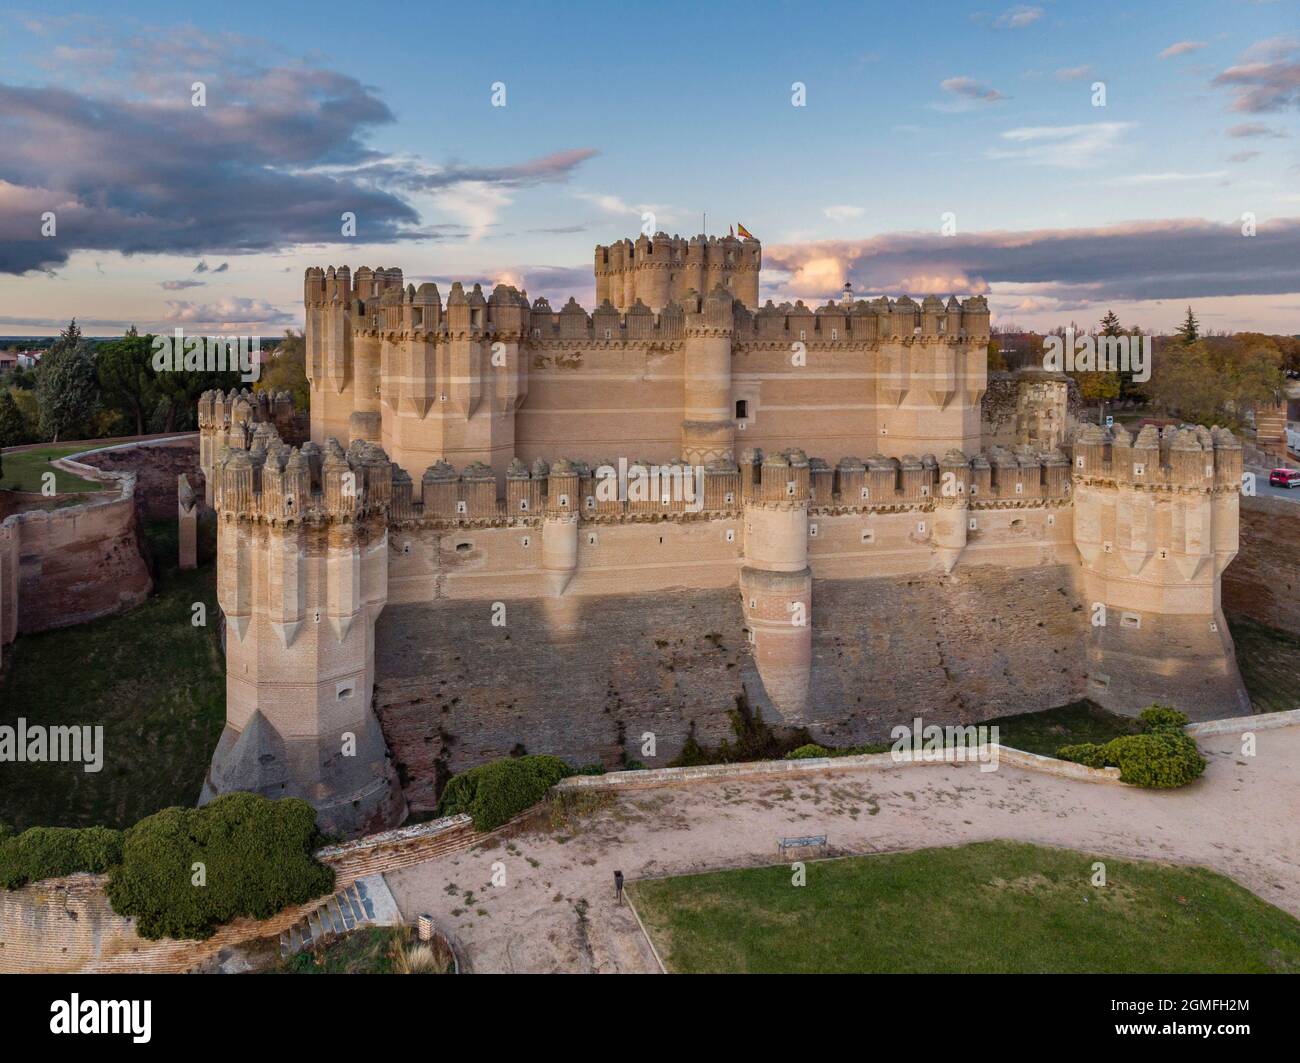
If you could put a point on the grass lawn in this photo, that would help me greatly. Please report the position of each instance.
(991, 907)
(1046, 732)
(1269, 660)
(22, 471)
(155, 683)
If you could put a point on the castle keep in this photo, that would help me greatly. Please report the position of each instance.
(440, 574)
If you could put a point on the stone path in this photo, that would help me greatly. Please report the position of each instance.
(556, 911)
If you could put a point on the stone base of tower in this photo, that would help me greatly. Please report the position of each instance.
(352, 795)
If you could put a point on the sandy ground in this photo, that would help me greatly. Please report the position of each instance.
(555, 910)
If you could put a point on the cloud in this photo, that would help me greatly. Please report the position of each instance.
(1073, 73)
(843, 213)
(1180, 259)
(1164, 178)
(970, 89)
(1068, 146)
(1243, 156)
(232, 314)
(271, 163)
(175, 286)
(1018, 17)
(1181, 48)
(1267, 79)
(1254, 129)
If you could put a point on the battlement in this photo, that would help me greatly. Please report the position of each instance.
(398, 313)
(660, 270)
(1197, 459)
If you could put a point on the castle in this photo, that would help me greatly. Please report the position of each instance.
(446, 572)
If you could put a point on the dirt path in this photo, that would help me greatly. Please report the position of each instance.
(556, 912)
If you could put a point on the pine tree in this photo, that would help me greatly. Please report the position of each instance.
(1189, 331)
(1110, 324)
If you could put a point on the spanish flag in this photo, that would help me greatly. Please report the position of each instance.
(744, 232)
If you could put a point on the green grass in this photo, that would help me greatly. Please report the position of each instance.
(1269, 659)
(1047, 731)
(156, 684)
(23, 471)
(992, 907)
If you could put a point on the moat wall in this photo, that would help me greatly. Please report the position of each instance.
(1263, 582)
(585, 677)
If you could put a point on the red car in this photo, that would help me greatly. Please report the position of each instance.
(1287, 478)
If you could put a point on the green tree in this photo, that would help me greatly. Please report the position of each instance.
(1190, 330)
(67, 391)
(126, 377)
(287, 370)
(1110, 324)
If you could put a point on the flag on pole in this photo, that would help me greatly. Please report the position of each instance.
(731, 231)
(744, 232)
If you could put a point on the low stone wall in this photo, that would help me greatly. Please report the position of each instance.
(157, 463)
(656, 777)
(66, 925)
(65, 566)
(1265, 721)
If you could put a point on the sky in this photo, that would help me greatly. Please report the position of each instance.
(1060, 158)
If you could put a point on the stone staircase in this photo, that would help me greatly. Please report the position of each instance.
(366, 902)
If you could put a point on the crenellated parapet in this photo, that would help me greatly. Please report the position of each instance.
(662, 269)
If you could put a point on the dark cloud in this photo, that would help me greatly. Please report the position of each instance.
(272, 161)
(1149, 260)
(175, 286)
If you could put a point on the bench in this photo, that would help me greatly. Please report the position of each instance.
(813, 841)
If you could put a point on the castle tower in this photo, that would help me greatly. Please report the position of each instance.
(776, 581)
(708, 430)
(302, 576)
(1041, 408)
(664, 268)
(1155, 524)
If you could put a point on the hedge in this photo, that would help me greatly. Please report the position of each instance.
(1162, 757)
(496, 792)
(186, 871)
(51, 852)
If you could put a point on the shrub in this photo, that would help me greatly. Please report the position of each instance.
(634, 765)
(496, 792)
(50, 852)
(256, 858)
(1158, 760)
(592, 769)
(1087, 753)
(1162, 718)
(808, 752)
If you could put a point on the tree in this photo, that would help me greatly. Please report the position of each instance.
(126, 376)
(1110, 324)
(67, 391)
(13, 426)
(287, 370)
(1218, 381)
(1190, 330)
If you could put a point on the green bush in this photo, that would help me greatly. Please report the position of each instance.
(256, 858)
(592, 769)
(50, 852)
(634, 765)
(1162, 718)
(1088, 753)
(1158, 760)
(496, 792)
(809, 752)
